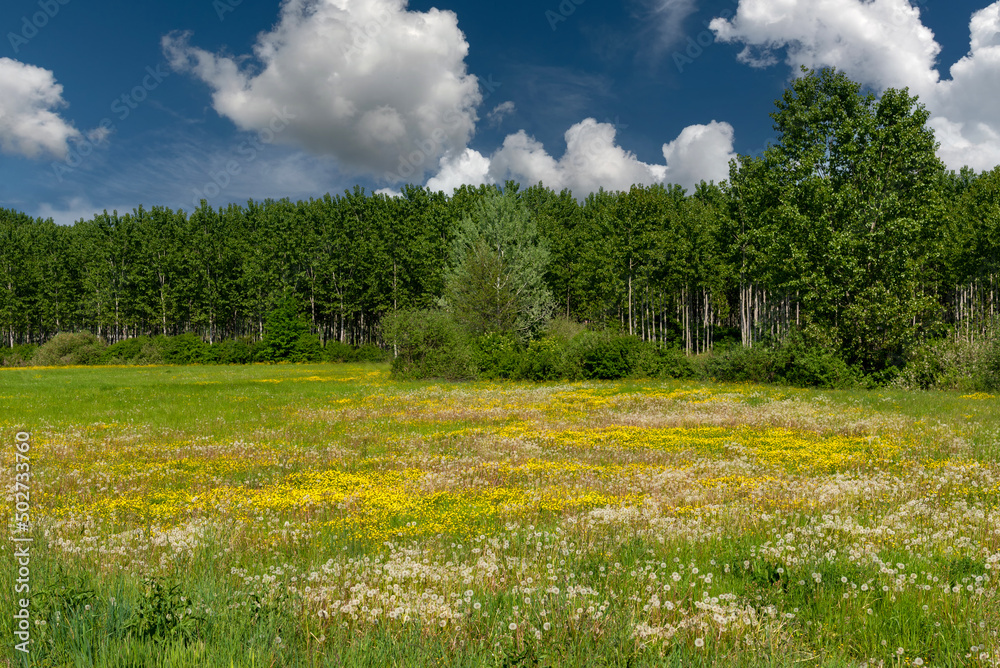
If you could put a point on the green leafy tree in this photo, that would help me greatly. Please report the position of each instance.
(284, 334)
(845, 211)
(497, 282)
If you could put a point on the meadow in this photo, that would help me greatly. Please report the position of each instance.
(326, 515)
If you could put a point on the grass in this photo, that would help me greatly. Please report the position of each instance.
(324, 515)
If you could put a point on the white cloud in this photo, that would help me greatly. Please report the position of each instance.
(468, 167)
(700, 153)
(884, 44)
(74, 209)
(500, 112)
(383, 89)
(594, 160)
(28, 124)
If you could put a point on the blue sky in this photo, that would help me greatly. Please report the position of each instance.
(117, 104)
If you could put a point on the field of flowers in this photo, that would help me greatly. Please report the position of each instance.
(325, 515)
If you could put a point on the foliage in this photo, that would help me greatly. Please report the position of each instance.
(429, 344)
(847, 225)
(69, 349)
(801, 360)
(162, 613)
(844, 211)
(953, 363)
(183, 349)
(287, 337)
(497, 279)
(497, 356)
(19, 355)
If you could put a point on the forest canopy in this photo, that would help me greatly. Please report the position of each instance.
(847, 229)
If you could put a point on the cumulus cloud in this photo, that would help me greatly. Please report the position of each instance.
(468, 167)
(883, 43)
(29, 126)
(700, 153)
(382, 89)
(593, 160)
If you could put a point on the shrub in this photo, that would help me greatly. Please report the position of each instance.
(543, 359)
(600, 356)
(497, 356)
(810, 361)
(335, 351)
(286, 336)
(430, 344)
(182, 349)
(233, 351)
(69, 349)
(802, 359)
(128, 351)
(953, 363)
(657, 361)
(19, 355)
(370, 353)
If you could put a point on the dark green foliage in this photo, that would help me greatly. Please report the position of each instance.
(69, 349)
(798, 360)
(286, 337)
(429, 344)
(571, 353)
(370, 353)
(497, 356)
(19, 355)
(162, 614)
(952, 363)
(233, 351)
(543, 359)
(183, 349)
(335, 351)
(600, 356)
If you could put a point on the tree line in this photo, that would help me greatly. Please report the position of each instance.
(848, 227)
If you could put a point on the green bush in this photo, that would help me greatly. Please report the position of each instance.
(140, 350)
(953, 363)
(233, 351)
(335, 351)
(802, 360)
(543, 359)
(69, 349)
(287, 337)
(810, 361)
(182, 349)
(429, 344)
(656, 361)
(370, 353)
(601, 356)
(497, 356)
(19, 355)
